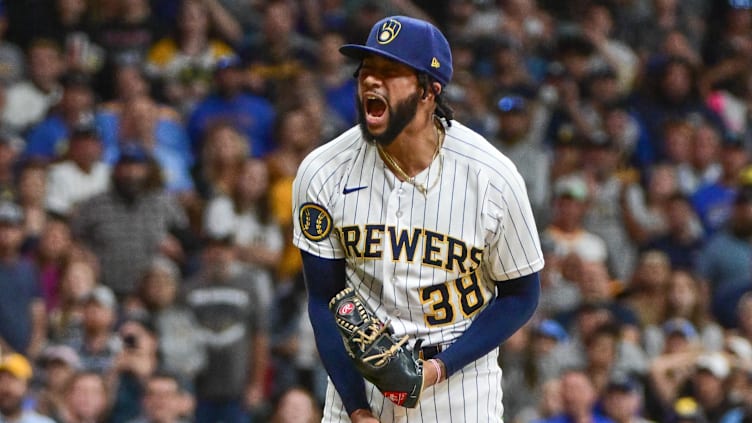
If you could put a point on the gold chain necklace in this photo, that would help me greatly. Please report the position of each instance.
(411, 179)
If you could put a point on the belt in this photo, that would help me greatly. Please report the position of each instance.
(431, 351)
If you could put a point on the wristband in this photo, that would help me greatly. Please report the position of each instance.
(436, 366)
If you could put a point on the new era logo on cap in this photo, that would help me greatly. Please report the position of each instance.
(410, 41)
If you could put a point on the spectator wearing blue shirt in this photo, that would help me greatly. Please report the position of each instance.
(48, 140)
(253, 115)
(154, 127)
(578, 400)
(724, 260)
(22, 314)
(713, 202)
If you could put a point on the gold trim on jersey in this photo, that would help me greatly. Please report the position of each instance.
(315, 221)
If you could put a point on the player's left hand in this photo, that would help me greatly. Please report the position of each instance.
(432, 373)
(379, 356)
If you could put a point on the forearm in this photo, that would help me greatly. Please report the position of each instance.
(512, 308)
(324, 279)
(224, 22)
(38, 328)
(260, 359)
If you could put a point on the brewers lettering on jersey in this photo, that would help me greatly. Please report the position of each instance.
(428, 223)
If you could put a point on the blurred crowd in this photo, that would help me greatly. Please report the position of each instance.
(148, 148)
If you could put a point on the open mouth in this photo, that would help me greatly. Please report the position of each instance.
(374, 106)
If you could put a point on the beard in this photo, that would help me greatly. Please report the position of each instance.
(10, 405)
(399, 117)
(129, 189)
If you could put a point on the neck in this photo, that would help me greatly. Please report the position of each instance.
(414, 150)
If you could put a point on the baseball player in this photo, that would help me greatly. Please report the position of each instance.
(428, 223)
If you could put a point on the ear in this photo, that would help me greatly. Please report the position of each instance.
(435, 89)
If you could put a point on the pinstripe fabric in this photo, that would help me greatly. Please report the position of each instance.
(426, 263)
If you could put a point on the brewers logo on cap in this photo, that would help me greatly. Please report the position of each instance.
(315, 221)
(389, 31)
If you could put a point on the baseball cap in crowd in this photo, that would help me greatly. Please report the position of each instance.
(600, 141)
(165, 265)
(12, 140)
(60, 354)
(601, 70)
(681, 326)
(103, 296)
(412, 42)
(17, 365)
(551, 329)
(687, 409)
(715, 363)
(512, 104)
(75, 79)
(228, 62)
(11, 213)
(85, 130)
(132, 153)
(623, 383)
(740, 4)
(571, 186)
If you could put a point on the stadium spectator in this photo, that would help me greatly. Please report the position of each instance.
(223, 154)
(251, 114)
(578, 400)
(566, 231)
(50, 254)
(22, 316)
(49, 139)
(277, 52)
(134, 364)
(58, 363)
(77, 279)
(247, 214)
(183, 62)
(522, 142)
(296, 405)
(86, 399)
(98, 344)
(609, 185)
(27, 101)
(713, 201)
(11, 57)
(622, 400)
(80, 175)
(15, 379)
(158, 130)
(162, 402)
(130, 222)
(182, 351)
(684, 238)
(31, 183)
(646, 292)
(227, 300)
(722, 262)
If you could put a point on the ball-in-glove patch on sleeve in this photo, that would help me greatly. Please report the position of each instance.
(379, 356)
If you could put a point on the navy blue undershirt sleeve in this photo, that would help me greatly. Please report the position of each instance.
(515, 303)
(324, 279)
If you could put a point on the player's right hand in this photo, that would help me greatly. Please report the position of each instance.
(362, 415)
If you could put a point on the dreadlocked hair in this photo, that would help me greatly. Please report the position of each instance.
(443, 109)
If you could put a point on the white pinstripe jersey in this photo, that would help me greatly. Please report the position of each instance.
(427, 263)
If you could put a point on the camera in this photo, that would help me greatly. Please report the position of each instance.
(130, 341)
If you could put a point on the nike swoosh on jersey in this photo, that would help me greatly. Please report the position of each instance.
(353, 189)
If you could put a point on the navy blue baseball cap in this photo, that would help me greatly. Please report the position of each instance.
(132, 153)
(412, 42)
